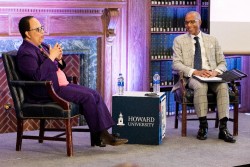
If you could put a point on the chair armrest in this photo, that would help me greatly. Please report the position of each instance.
(28, 83)
(63, 103)
(234, 87)
(48, 84)
(182, 85)
(180, 78)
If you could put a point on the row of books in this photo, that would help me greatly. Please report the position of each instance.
(233, 62)
(161, 46)
(205, 2)
(168, 19)
(164, 68)
(173, 2)
(204, 17)
(172, 19)
(170, 103)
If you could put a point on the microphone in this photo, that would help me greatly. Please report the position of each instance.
(44, 52)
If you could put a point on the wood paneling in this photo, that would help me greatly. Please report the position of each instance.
(245, 89)
(113, 45)
(4, 24)
(71, 25)
(14, 20)
(126, 52)
(36, 4)
(138, 55)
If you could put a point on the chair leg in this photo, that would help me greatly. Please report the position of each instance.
(217, 120)
(92, 139)
(184, 120)
(176, 115)
(41, 132)
(69, 142)
(19, 134)
(236, 119)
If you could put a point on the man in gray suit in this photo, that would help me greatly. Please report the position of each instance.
(212, 63)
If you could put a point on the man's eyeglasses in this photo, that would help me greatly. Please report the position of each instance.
(38, 29)
(191, 22)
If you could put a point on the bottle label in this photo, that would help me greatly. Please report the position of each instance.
(120, 83)
(156, 81)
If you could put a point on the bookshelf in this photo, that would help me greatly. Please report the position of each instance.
(167, 22)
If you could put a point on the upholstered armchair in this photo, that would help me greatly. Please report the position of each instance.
(184, 98)
(57, 109)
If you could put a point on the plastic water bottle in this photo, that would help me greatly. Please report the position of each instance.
(156, 83)
(120, 84)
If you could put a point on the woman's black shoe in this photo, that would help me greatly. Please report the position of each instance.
(100, 143)
(97, 140)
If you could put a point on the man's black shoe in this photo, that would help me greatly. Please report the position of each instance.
(226, 136)
(202, 134)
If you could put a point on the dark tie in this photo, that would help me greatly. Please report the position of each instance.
(197, 55)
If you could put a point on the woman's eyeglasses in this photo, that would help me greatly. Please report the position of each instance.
(38, 29)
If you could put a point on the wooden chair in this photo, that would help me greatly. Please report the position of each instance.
(184, 97)
(58, 109)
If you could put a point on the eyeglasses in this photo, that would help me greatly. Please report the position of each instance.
(38, 29)
(191, 22)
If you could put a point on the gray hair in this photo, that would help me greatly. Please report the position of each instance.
(197, 14)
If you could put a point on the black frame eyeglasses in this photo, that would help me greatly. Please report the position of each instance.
(38, 29)
(191, 22)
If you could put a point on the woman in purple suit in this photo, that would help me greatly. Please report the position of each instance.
(40, 62)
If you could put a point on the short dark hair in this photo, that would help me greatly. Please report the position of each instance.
(24, 25)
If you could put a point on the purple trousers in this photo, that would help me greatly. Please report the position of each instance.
(95, 110)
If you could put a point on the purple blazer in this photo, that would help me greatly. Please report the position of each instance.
(34, 65)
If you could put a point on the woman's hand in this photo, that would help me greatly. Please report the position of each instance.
(55, 52)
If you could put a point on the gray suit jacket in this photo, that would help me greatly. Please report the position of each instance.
(183, 54)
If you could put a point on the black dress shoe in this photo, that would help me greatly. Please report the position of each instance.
(226, 136)
(202, 134)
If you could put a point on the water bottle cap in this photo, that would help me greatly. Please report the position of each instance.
(156, 73)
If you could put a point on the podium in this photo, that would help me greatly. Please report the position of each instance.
(139, 118)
